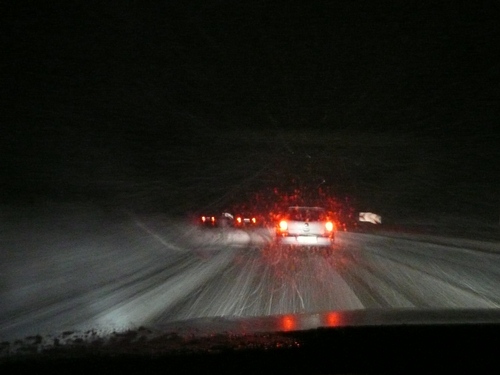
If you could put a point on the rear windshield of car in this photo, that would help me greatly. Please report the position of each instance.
(306, 214)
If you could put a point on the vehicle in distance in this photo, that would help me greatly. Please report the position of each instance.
(246, 220)
(208, 220)
(306, 227)
(222, 220)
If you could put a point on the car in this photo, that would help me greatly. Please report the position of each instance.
(246, 220)
(304, 226)
(208, 220)
(225, 220)
(217, 220)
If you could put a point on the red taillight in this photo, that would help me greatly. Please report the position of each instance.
(238, 219)
(254, 220)
(203, 218)
(213, 219)
(329, 226)
(283, 225)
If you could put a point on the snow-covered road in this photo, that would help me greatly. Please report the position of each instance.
(74, 269)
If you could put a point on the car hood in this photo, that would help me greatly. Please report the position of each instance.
(235, 333)
(365, 341)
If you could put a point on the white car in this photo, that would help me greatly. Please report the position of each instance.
(306, 227)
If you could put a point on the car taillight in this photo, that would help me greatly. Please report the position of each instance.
(203, 218)
(283, 225)
(238, 219)
(329, 226)
(254, 220)
(213, 219)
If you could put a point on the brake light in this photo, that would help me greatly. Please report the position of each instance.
(203, 218)
(329, 226)
(213, 219)
(283, 225)
(238, 219)
(254, 220)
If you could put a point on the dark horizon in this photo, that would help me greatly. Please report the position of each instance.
(394, 104)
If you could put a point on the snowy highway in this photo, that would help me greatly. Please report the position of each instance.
(77, 268)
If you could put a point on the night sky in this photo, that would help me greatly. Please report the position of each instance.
(174, 105)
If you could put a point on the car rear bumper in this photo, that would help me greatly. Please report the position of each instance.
(305, 241)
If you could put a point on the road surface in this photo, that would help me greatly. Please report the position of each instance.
(78, 268)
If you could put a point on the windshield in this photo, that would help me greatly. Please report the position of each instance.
(306, 214)
(123, 125)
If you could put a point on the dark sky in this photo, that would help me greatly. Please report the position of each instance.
(151, 94)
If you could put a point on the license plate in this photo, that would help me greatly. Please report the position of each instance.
(307, 240)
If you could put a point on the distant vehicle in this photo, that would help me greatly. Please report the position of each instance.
(306, 227)
(208, 220)
(246, 220)
(226, 220)
(220, 220)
